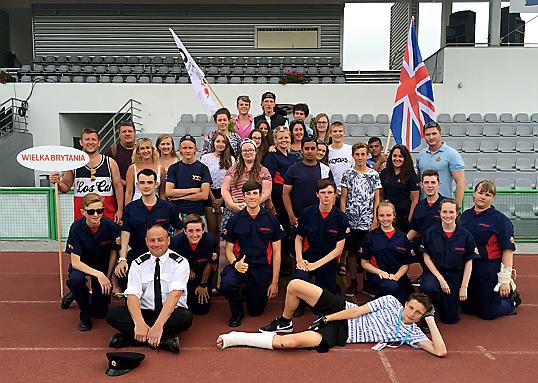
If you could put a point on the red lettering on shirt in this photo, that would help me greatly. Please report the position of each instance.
(460, 248)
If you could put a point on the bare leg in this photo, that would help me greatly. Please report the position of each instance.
(303, 339)
(297, 290)
(263, 340)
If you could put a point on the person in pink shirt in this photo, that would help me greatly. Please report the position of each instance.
(244, 122)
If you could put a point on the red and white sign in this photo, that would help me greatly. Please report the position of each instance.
(52, 158)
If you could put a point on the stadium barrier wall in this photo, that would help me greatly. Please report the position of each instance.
(29, 213)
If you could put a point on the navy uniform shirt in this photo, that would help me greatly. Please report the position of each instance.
(138, 218)
(425, 216)
(387, 254)
(320, 235)
(278, 163)
(186, 176)
(253, 237)
(205, 251)
(93, 249)
(492, 232)
(449, 253)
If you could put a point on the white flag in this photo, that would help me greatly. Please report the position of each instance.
(197, 76)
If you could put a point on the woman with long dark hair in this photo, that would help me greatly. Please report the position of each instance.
(222, 120)
(261, 141)
(400, 185)
(218, 162)
(297, 130)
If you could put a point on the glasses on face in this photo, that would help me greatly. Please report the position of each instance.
(322, 122)
(94, 211)
(247, 150)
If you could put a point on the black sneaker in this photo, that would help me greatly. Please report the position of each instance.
(515, 297)
(120, 340)
(67, 300)
(278, 325)
(171, 345)
(416, 282)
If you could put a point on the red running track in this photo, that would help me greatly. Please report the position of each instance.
(41, 342)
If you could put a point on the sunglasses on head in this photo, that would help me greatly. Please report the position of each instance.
(93, 211)
(431, 124)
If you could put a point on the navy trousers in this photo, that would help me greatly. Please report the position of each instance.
(256, 280)
(97, 306)
(400, 289)
(448, 305)
(192, 299)
(482, 300)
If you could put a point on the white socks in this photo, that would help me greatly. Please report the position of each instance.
(251, 339)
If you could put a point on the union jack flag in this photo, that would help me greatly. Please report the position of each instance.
(414, 106)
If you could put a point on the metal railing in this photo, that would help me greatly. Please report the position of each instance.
(129, 111)
(13, 116)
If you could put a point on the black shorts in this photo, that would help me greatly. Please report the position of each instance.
(354, 240)
(334, 333)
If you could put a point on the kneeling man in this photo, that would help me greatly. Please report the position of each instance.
(156, 293)
(93, 245)
(383, 320)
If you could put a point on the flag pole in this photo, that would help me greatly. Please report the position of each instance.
(212, 91)
(389, 136)
(59, 232)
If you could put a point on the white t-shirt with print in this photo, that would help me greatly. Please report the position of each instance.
(339, 161)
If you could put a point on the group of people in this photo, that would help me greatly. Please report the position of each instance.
(270, 196)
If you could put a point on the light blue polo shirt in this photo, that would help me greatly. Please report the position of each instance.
(445, 160)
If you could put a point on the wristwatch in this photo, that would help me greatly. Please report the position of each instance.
(203, 285)
(122, 259)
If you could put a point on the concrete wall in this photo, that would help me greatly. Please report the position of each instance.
(14, 174)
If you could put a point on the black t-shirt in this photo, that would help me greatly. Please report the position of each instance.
(123, 157)
(186, 176)
(399, 193)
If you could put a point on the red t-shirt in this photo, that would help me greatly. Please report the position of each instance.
(324, 214)
(390, 233)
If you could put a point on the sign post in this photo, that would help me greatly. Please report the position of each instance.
(54, 159)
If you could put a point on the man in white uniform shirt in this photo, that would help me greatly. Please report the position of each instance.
(156, 293)
(383, 320)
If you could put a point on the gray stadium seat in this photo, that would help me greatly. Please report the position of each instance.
(175, 70)
(143, 79)
(113, 69)
(91, 79)
(525, 165)
(38, 59)
(274, 61)
(474, 131)
(261, 80)
(506, 117)
(507, 130)
(382, 119)
(209, 79)
(458, 130)
(117, 79)
(239, 61)
(263, 61)
(274, 80)
(157, 60)
(325, 71)
(52, 78)
(130, 79)
(75, 69)
(253, 61)
(87, 69)
(337, 117)
(139, 69)
(169, 60)
(263, 71)
(534, 117)
(490, 131)
(350, 140)
(109, 60)
(287, 61)
(536, 146)
(522, 117)
(248, 80)
(50, 68)
(470, 146)
(314, 80)
(82, 60)
(357, 130)
(250, 71)
(104, 79)
(459, 118)
(470, 163)
(25, 68)
(485, 164)
(490, 117)
(235, 80)
(133, 60)
(507, 146)
(237, 71)
(524, 210)
(185, 80)
(163, 69)
(523, 184)
(326, 80)
(170, 80)
(145, 60)
(374, 131)
(340, 80)
(524, 131)
(505, 208)
(475, 117)
(186, 119)
(228, 61)
(26, 78)
(535, 130)
(299, 61)
(311, 61)
(274, 71)
(78, 79)
(367, 118)
(323, 61)
(312, 71)
(197, 130)
(38, 67)
(204, 60)
(337, 71)
(212, 71)
(503, 183)
(157, 79)
(222, 80)
(99, 69)
(201, 118)
(443, 118)
(65, 79)
(225, 71)
(489, 146)
(352, 118)
(525, 146)
(505, 164)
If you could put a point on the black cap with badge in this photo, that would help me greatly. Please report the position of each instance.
(187, 137)
(268, 95)
(120, 363)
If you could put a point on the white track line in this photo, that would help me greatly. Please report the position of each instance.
(388, 367)
(485, 352)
